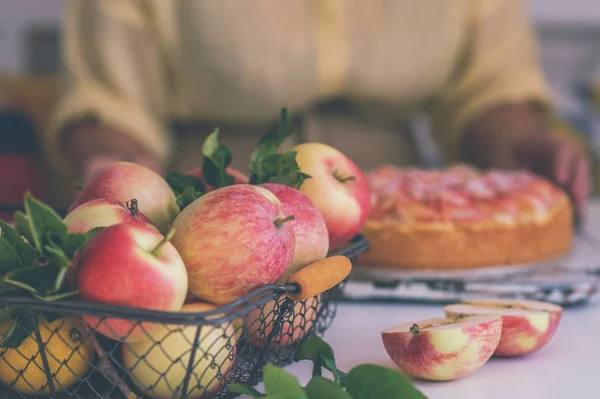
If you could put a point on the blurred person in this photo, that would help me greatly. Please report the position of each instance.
(146, 81)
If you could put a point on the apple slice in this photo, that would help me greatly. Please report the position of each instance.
(443, 349)
(526, 325)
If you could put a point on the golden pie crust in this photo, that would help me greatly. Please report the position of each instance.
(528, 235)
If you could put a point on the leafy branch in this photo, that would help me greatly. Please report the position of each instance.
(365, 381)
(187, 188)
(267, 164)
(35, 258)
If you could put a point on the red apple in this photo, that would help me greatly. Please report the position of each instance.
(527, 326)
(338, 188)
(123, 181)
(233, 240)
(295, 324)
(443, 349)
(133, 266)
(312, 237)
(238, 177)
(104, 212)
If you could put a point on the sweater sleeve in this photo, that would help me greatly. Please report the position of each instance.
(115, 73)
(499, 65)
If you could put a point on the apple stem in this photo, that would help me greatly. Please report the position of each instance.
(162, 242)
(279, 222)
(415, 329)
(343, 179)
(132, 206)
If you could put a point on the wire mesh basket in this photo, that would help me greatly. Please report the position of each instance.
(86, 350)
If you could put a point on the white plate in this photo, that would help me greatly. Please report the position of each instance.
(372, 273)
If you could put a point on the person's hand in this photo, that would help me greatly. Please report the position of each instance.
(99, 161)
(515, 137)
(91, 146)
(557, 160)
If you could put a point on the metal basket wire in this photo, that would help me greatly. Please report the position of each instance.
(176, 354)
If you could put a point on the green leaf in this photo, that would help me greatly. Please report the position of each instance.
(73, 243)
(369, 381)
(215, 162)
(57, 256)
(179, 182)
(9, 259)
(321, 354)
(60, 260)
(43, 221)
(313, 348)
(23, 226)
(245, 390)
(322, 388)
(92, 233)
(279, 384)
(56, 297)
(23, 325)
(25, 252)
(187, 197)
(39, 280)
(280, 168)
(338, 376)
(8, 338)
(21, 285)
(267, 165)
(187, 188)
(271, 141)
(5, 314)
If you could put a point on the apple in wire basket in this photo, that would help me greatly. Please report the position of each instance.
(337, 187)
(443, 349)
(134, 266)
(312, 237)
(312, 244)
(103, 212)
(233, 240)
(527, 325)
(295, 323)
(123, 181)
(158, 364)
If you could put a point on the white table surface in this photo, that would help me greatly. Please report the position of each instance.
(568, 367)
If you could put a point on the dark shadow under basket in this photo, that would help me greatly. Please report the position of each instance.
(189, 354)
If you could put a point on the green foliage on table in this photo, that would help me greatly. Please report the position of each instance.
(366, 381)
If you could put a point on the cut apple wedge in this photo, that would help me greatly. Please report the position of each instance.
(443, 349)
(526, 325)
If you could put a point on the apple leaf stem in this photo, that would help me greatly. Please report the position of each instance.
(132, 206)
(163, 242)
(415, 329)
(281, 221)
(343, 179)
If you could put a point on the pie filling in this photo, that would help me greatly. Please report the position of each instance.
(459, 194)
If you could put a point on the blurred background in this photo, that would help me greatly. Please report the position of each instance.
(30, 39)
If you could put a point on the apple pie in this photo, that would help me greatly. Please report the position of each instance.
(460, 217)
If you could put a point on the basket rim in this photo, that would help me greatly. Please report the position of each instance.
(221, 313)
